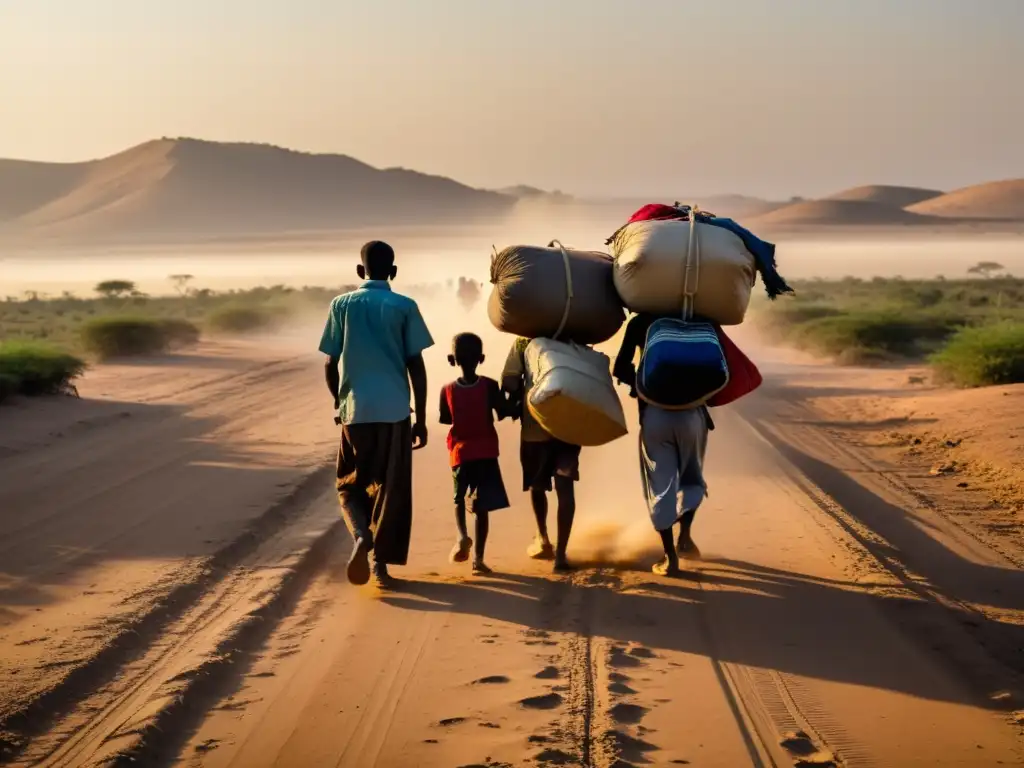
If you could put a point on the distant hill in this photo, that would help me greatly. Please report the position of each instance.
(839, 213)
(526, 193)
(26, 185)
(895, 197)
(994, 200)
(176, 186)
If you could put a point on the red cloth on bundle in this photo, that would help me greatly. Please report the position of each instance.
(656, 212)
(744, 377)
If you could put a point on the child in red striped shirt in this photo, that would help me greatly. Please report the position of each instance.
(469, 405)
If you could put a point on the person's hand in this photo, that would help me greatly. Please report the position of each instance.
(419, 435)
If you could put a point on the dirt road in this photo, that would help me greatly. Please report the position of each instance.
(173, 594)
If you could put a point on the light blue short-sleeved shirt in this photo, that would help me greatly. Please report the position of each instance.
(374, 331)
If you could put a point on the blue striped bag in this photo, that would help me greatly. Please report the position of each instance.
(682, 365)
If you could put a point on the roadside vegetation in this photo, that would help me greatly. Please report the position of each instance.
(118, 318)
(970, 330)
(45, 340)
(35, 368)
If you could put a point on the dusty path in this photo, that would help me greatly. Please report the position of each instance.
(835, 620)
(117, 509)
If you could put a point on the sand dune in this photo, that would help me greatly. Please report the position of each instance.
(839, 213)
(994, 200)
(886, 194)
(26, 185)
(171, 185)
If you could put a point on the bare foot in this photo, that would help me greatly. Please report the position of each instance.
(461, 550)
(687, 549)
(480, 568)
(358, 570)
(562, 565)
(667, 568)
(541, 550)
(382, 578)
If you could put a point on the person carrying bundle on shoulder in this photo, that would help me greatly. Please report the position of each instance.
(546, 461)
(673, 440)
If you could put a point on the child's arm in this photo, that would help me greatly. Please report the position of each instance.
(500, 402)
(445, 410)
(514, 370)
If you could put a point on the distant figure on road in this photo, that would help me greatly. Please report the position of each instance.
(468, 293)
(378, 337)
(672, 448)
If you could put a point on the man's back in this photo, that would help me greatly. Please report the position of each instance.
(374, 332)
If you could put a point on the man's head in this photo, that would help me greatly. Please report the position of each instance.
(467, 351)
(378, 261)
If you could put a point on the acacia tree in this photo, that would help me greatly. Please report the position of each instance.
(114, 289)
(181, 283)
(986, 268)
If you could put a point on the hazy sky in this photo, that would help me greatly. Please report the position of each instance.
(770, 97)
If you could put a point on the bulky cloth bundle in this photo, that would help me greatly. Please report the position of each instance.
(573, 397)
(554, 292)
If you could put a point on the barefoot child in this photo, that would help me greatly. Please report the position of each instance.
(468, 404)
(672, 448)
(545, 460)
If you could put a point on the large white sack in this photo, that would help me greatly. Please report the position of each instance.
(651, 258)
(573, 397)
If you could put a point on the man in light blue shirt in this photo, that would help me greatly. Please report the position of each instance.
(374, 341)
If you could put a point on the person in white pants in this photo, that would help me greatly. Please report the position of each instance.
(672, 448)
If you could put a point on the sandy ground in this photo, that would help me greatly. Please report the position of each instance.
(171, 593)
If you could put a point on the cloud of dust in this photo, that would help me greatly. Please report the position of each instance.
(607, 541)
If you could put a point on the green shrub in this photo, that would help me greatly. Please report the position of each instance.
(242, 319)
(180, 333)
(866, 336)
(984, 355)
(782, 319)
(124, 336)
(32, 368)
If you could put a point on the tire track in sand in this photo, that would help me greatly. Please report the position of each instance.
(37, 716)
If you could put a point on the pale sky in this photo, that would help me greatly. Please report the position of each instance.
(594, 97)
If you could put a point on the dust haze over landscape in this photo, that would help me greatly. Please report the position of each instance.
(240, 215)
(172, 560)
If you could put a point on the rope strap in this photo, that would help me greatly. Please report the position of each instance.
(568, 286)
(691, 266)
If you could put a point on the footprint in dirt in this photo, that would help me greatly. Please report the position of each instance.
(450, 721)
(805, 752)
(548, 673)
(555, 757)
(628, 714)
(618, 684)
(626, 748)
(539, 637)
(642, 653)
(621, 659)
(547, 701)
(491, 680)
(207, 746)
